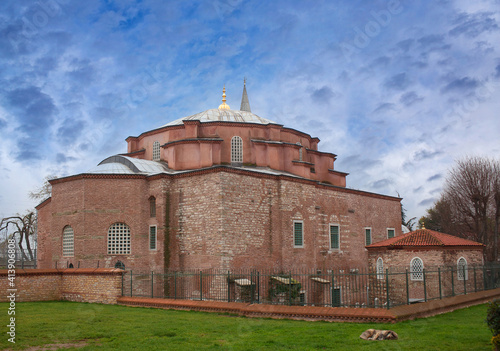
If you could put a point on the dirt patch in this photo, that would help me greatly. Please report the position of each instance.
(53, 347)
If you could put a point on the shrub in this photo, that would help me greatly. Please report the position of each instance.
(493, 317)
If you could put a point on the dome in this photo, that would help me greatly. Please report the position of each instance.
(222, 115)
(119, 164)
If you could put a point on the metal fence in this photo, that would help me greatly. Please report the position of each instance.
(21, 261)
(337, 288)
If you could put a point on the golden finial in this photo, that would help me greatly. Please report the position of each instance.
(224, 106)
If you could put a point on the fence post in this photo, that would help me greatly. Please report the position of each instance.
(333, 287)
(258, 287)
(175, 285)
(130, 283)
(252, 288)
(452, 283)
(152, 282)
(465, 281)
(475, 286)
(387, 286)
(290, 290)
(440, 289)
(484, 277)
(407, 289)
(201, 286)
(123, 279)
(228, 287)
(425, 286)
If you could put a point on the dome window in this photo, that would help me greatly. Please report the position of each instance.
(156, 151)
(236, 150)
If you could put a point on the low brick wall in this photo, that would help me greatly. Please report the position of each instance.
(102, 285)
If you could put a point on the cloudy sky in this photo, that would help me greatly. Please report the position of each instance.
(397, 89)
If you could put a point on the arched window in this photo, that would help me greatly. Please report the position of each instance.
(380, 268)
(156, 151)
(119, 239)
(462, 269)
(236, 150)
(416, 269)
(120, 265)
(152, 206)
(68, 242)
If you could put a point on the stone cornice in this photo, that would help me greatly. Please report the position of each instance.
(193, 140)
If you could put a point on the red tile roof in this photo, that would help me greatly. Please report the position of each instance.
(424, 238)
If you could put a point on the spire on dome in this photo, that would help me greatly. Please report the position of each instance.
(224, 106)
(245, 104)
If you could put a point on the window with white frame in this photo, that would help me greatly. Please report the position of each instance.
(152, 237)
(68, 242)
(334, 236)
(119, 239)
(368, 236)
(298, 234)
(380, 268)
(462, 269)
(416, 269)
(390, 233)
(236, 150)
(156, 151)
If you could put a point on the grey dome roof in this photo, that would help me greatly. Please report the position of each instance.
(119, 164)
(222, 115)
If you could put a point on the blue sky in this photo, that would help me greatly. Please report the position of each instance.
(399, 90)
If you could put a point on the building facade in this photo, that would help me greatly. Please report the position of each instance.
(222, 189)
(425, 264)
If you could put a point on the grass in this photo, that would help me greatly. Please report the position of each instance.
(109, 327)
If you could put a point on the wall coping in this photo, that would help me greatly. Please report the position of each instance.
(66, 271)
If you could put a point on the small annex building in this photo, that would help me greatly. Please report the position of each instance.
(221, 189)
(430, 264)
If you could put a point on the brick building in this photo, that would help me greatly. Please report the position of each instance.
(222, 189)
(430, 265)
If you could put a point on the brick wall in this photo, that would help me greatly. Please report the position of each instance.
(441, 277)
(82, 285)
(221, 218)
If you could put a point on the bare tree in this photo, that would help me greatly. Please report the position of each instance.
(23, 227)
(44, 191)
(469, 190)
(496, 204)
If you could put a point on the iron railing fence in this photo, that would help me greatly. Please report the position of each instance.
(337, 288)
(21, 260)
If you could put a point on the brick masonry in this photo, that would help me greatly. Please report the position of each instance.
(441, 277)
(222, 218)
(82, 285)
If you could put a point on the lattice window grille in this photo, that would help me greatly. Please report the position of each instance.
(68, 242)
(119, 239)
(380, 268)
(417, 269)
(237, 149)
(156, 151)
(462, 269)
(152, 237)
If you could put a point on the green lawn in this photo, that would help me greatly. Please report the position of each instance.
(105, 327)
